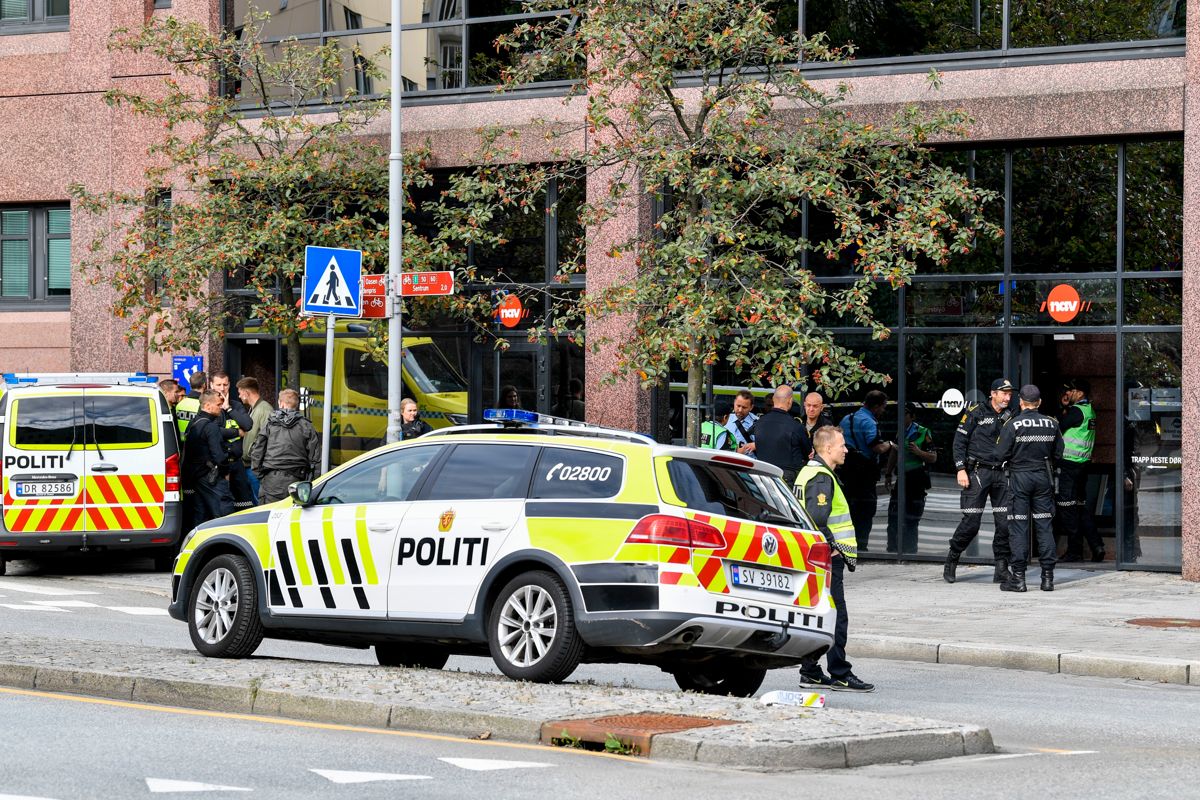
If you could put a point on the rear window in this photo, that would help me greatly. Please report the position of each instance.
(84, 420)
(49, 421)
(119, 420)
(565, 473)
(731, 492)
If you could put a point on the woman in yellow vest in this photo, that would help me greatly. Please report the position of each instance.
(823, 497)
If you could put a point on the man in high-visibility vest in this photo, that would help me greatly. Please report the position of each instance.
(187, 408)
(1074, 519)
(821, 493)
(714, 435)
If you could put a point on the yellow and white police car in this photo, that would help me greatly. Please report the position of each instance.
(542, 544)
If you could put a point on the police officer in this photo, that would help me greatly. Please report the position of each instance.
(1075, 519)
(823, 497)
(1030, 444)
(189, 406)
(714, 435)
(981, 479)
(741, 421)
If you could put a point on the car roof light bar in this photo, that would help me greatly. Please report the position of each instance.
(518, 420)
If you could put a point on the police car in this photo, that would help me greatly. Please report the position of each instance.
(90, 463)
(544, 545)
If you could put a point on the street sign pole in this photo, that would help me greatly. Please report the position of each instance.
(327, 405)
(395, 238)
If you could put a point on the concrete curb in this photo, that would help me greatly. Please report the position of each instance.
(754, 744)
(1031, 659)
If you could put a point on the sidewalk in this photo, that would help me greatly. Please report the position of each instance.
(906, 611)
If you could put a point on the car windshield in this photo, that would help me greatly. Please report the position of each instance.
(732, 492)
(430, 371)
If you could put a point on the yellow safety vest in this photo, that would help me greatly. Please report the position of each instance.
(840, 524)
(186, 411)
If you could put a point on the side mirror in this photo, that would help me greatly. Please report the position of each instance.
(302, 493)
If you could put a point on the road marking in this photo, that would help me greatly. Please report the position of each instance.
(22, 797)
(168, 785)
(1052, 751)
(486, 764)
(342, 776)
(1003, 756)
(140, 611)
(64, 603)
(26, 607)
(325, 726)
(42, 590)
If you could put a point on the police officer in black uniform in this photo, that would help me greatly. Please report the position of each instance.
(981, 479)
(1031, 444)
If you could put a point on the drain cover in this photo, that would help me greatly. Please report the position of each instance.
(1165, 622)
(633, 730)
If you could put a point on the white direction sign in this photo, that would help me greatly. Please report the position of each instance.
(332, 281)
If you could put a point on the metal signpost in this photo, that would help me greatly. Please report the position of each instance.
(395, 235)
(332, 288)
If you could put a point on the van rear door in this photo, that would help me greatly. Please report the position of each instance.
(126, 473)
(44, 463)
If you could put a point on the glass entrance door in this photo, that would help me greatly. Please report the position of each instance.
(512, 378)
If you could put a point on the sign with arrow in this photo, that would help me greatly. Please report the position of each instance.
(332, 281)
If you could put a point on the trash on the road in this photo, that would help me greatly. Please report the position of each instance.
(781, 697)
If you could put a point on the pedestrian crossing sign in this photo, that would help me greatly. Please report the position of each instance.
(332, 281)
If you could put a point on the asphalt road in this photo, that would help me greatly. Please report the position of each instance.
(1065, 735)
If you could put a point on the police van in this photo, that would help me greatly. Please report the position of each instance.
(542, 544)
(90, 463)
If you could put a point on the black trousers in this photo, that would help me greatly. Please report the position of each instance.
(914, 509)
(863, 499)
(1075, 520)
(835, 659)
(985, 484)
(239, 486)
(1031, 501)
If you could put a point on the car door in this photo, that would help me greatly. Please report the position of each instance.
(44, 463)
(126, 472)
(457, 528)
(334, 556)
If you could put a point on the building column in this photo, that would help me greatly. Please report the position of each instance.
(1191, 301)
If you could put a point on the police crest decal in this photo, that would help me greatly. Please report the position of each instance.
(446, 520)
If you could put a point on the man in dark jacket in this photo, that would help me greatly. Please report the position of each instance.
(204, 464)
(286, 450)
(779, 439)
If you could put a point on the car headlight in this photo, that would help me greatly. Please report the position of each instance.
(457, 419)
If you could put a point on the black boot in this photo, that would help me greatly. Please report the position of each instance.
(1098, 555)
(1015, 582)
(1047, 579)
(950, 571)
(1001, 573)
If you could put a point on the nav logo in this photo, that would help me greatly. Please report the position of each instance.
(510, 312)
(1063, 303)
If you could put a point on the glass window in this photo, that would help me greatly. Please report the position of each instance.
(387, 478)
(51, 14)
(1064, 303)
(565, 473)
(731, 492)
(1049, 23)
(15, 253)
(1155, 301)
(483, 472)
(907, 27)
(52, 421)
(954, 304)
(985, 169)
(35, 253)
(1151, 530)
(1154, 205)
(430, 371)
(1064, 209)
(364, 374)
(119, 420)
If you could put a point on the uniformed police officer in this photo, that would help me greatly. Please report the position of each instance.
(1030, 445)
(1075, 520)
(713, 433)
(823, 497)
(981, 479)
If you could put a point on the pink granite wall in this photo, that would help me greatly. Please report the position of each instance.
(1191, 303)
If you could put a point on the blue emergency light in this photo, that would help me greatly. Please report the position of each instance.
(512, 415)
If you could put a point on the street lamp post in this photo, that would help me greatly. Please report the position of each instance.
(395, 238)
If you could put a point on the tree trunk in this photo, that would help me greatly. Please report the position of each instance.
(695, 392)
(292, 378)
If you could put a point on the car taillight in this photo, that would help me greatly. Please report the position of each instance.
(676, 532)
(819, 555)
(172, 472)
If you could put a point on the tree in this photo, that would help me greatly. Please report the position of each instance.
(248, 191)
(699, 104)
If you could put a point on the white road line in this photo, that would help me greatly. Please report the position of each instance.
(9, 585)
(342, 776)
(22, 797)
(64, 603)
(485, 764)
(168, 785)
(141, 611)
(1003, 756)
(25, 607)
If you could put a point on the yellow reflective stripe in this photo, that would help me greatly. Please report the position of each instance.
(364, 545)
(331, 551)
(298, 550)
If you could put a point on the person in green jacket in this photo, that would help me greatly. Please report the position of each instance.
(1074, 518)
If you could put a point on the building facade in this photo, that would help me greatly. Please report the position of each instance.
(1080, 123)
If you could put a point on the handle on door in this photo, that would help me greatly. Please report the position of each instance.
(380, 528)
(103, 467)
(494, 526)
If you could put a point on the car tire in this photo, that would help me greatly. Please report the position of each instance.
(531, 629)
(406, 654)
(222, 609)
(727, 677)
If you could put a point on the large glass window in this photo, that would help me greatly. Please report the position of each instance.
(390, 477)
(483, 472)
(25, 16)
(906, 27)
(35, 254)
(1154, 206)
(1049, 23)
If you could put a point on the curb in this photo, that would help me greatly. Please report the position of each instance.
(1030, 659)
(748, 744)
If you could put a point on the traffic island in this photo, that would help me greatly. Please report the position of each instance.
(674, 726)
